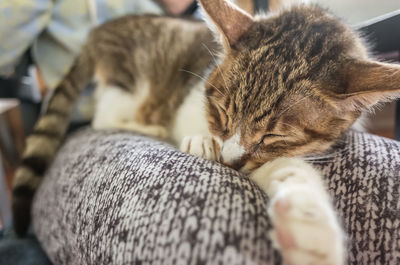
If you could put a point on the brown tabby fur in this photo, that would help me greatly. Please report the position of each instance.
(290, 83)
(119, 52)
(157, 49)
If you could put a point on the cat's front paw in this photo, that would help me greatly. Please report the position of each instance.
(305, 228)
(202, 146)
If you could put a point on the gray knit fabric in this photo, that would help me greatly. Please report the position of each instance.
(119, 198)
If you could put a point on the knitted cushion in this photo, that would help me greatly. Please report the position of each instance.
(120, 198)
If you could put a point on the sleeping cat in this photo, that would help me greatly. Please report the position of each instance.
(272, 88)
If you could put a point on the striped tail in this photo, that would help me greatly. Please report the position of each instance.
(46, 138)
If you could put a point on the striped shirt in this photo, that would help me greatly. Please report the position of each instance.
(55, 30)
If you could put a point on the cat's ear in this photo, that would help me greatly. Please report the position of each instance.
(229, 20)
(366, 83)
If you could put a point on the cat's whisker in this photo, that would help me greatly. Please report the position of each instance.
(202, 78)
(321, 157)
(291, 106)
(332, 154)
(325, 155)
(316, 160)
(291, 126)
(320, 162)
(216, 65)
(283, 139)
(324, 160)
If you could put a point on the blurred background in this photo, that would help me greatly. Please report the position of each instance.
(357, 11)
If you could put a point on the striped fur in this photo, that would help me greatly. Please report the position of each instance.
(127, 54)
(290, 83)
(45, 139)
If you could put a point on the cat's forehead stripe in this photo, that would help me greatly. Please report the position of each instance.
(263, 115)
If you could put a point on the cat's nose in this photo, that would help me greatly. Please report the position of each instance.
(232, 152)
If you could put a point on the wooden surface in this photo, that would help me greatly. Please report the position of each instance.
(11, 137)
(5, 210)
(11, 147)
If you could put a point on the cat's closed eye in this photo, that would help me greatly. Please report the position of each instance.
(224, 118)
(269, 136)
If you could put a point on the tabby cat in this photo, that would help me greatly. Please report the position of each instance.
(278, 87)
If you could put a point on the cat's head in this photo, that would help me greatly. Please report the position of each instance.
(289, 84)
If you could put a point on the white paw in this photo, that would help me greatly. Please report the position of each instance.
(202, 146)
(305, 227)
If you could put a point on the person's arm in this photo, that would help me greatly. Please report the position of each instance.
(21, 21)
(176, 7)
